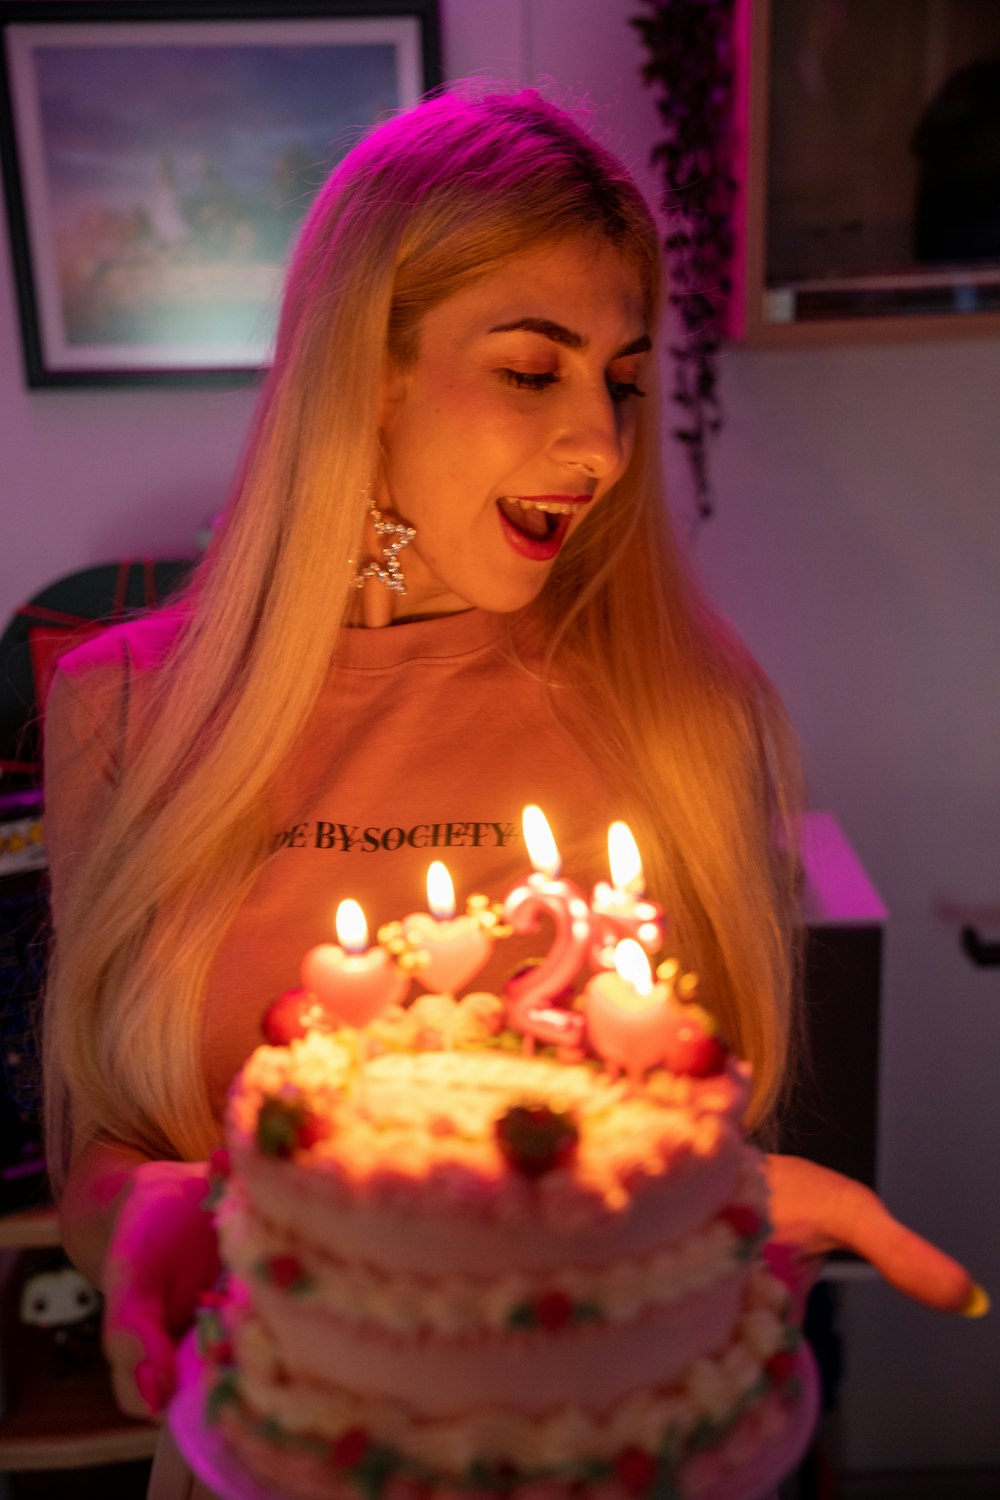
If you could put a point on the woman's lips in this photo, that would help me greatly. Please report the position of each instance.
(545, 521)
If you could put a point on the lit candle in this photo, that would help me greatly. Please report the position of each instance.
(618, 909)
(630, 1021)
(449, 950)
(529, 994)
(356, 982)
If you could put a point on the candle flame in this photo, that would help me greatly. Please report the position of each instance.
(542, 849)
(625, 860)
(352, 929)
(633, 966)
(440, 890)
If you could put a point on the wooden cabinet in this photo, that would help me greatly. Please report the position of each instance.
(868, 171)
(48, 1419)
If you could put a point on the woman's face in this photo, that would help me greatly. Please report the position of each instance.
(513, 422)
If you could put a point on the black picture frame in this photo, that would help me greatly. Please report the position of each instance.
(868, 162)
(158, 157)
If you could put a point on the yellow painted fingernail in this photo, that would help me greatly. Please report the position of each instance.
(976, 1304)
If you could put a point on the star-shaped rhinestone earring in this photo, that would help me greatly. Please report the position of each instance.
(394, 535)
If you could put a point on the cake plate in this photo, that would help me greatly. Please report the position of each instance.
(208, 1456)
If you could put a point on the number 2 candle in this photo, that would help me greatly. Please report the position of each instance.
(529, 994)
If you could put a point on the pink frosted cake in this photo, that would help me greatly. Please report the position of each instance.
(456, 1269)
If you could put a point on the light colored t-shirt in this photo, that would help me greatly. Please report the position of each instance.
(426, 744)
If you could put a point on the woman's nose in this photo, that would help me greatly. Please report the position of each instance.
(590, 437)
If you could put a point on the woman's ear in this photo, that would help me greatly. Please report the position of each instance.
(392, 390)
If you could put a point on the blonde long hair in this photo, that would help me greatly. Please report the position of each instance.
(689, 728)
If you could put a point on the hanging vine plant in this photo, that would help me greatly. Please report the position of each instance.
(692, 69)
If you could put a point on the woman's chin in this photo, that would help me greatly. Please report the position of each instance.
(492, 592)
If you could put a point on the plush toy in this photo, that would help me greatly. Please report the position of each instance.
(63, 1305)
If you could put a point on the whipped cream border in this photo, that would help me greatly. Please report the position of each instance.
(714, 1388)
(451, 1305)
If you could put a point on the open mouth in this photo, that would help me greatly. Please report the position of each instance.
(535, 526)
(538, 520)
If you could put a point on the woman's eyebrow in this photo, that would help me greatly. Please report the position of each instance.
(559, 334)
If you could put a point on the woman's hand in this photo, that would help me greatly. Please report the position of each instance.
(163, 1254)
(815, 1210)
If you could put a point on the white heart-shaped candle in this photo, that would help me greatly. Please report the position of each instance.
(456, 948)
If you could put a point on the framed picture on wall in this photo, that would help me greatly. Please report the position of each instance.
(158, 160)
(870, 170)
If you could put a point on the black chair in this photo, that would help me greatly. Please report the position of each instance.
(58, 617)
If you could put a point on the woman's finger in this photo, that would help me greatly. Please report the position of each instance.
(815, 1210)
(142, 1363)
(912, 1264)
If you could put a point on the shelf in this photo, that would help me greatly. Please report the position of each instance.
(76, 1450)
(29, 1228)
(62, 1421)
(98, 1435)
(51, 1419)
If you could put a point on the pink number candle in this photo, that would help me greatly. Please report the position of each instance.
(630, 1021)
(354, 981)
(454, 948)
(529, 995)
(618, 909)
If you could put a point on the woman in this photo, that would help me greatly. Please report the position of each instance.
(446, 586)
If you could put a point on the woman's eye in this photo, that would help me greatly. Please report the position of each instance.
(526, 382)
(621, 390)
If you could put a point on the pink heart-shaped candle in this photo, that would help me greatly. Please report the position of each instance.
(630, 1021)
(354, 981)
(625, 1031)
(356, 987)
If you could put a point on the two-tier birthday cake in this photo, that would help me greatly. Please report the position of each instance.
(461, 1262)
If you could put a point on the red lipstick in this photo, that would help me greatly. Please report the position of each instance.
(535, 526)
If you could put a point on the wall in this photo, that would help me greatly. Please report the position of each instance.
(857, 546)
